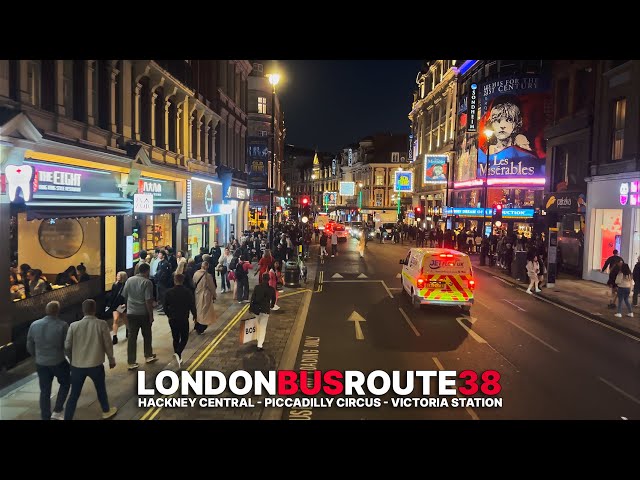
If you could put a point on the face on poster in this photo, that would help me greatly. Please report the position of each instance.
(435, 169)
(515, 114)
(330, 198)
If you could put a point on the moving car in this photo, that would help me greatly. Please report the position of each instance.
(438, 276)
(388, 228)
(339, 228)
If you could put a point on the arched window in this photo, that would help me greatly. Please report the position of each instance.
(103, 90)
(194, 135)
(159, 118)
(145, 110)
(203, 140)
(173, 120)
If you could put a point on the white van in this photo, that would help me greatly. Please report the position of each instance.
(438, 276)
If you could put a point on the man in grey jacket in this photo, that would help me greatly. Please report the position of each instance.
(45, 342)
(88, 341)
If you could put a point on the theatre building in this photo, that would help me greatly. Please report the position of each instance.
(500, 148)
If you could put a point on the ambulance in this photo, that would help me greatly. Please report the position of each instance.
(438, 276)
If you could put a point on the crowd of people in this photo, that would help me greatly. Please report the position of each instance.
(165, 283)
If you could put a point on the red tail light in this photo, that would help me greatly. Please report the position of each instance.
(446, 255)
(420, 283)
(472, 284)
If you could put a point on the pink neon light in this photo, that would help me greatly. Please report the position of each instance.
(468, 183)
(516, 181)
(634, 187)
(634, 199)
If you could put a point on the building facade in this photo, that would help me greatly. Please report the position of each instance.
(500, 148)
(264, 106)
(433, 126)
(101, 159)
(612, 213)
(569, 139)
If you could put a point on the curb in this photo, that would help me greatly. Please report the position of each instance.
(586, 313)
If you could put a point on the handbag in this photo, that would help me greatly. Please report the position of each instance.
(121, 309)
(248, 330)
(231, 276)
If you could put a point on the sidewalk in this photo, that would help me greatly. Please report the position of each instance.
(22, 403)
(583, 296)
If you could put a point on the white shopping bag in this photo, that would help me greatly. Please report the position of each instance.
(248, 330)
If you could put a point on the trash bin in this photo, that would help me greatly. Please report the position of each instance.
(291, 274)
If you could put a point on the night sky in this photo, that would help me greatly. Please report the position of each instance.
(331, 103)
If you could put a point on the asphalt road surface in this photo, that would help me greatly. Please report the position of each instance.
(554, 363)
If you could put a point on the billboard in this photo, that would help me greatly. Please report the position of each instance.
(330, 199)
(258, 164)
(435, 169)
(347, 189)
(514, 109)
(403, 181)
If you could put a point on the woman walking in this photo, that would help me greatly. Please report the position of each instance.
(117, 304)
(533, 270)
(275, 277)
(264, 264)
(205, 291)
(624, 281)
(361, 245)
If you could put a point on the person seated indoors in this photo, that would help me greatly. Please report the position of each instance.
(68, 277)
(83, 276)
(16, 287)
(37, 283)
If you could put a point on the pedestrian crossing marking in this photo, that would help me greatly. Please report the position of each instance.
(362, 275)
(337, 275)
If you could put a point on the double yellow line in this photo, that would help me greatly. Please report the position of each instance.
(154, 411)
(320, 280)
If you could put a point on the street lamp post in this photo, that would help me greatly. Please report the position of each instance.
(487, 133)
(274, 78)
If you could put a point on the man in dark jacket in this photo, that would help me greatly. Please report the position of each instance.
(262, 301)
(612, 260)
(198, 258)
(216, 253)
(613, 273)
(636, 282)
(171, 258)
(178, 302)
(162, 278)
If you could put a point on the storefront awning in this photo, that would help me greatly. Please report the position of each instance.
(39, 209)
(167, 206)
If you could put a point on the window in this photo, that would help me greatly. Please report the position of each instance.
(562, 98)
(561, 167)
(607, 234)
(583, 89)
(617, 140)
(395, 157)
(33, 81)
(263, 133)
(67, 87)
(258, 68)
(262, 105)
(379, 179)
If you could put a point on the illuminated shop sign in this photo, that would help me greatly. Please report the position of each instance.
(507, 213)
(347, 189)
(142, 203)
(158, 188)
(403, 181)
(472, 109)
(204, 197)
(435, 169)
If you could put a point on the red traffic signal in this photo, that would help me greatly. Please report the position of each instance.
(499, 207)
(305, 200)
(418, 209)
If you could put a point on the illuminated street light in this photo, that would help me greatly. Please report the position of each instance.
(274, 78)
(360, 184)
(305, 219)
(288, 189)
(313, 177)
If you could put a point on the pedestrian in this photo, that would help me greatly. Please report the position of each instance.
(612, 260)
(636, 282)
(205, 294)
(223, 266)
(242, 280)
(262, 300)
(275, 277)
(508, 257)
(182, 262)
(382, 232)
(613, 274)
(179, 301)
(624, 279)
(361, 245)
(117, 305)
(87, 343)
(334, 244)
(142, 258)
(323, 245)
(533, 270)
(162, 278)
(138, 292)
(45, 342)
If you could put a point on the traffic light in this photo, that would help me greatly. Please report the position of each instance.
(497, 215)
(419, 213)
(306, 208)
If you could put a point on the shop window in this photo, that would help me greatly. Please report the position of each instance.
(618, 122)
(607, 234)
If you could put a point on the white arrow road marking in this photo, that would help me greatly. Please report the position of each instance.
(398, 276)
(469, 317)
(413, 327)
(511, 303)
(475, 336)
(362, 275)
(357, 318)
(337, 275)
